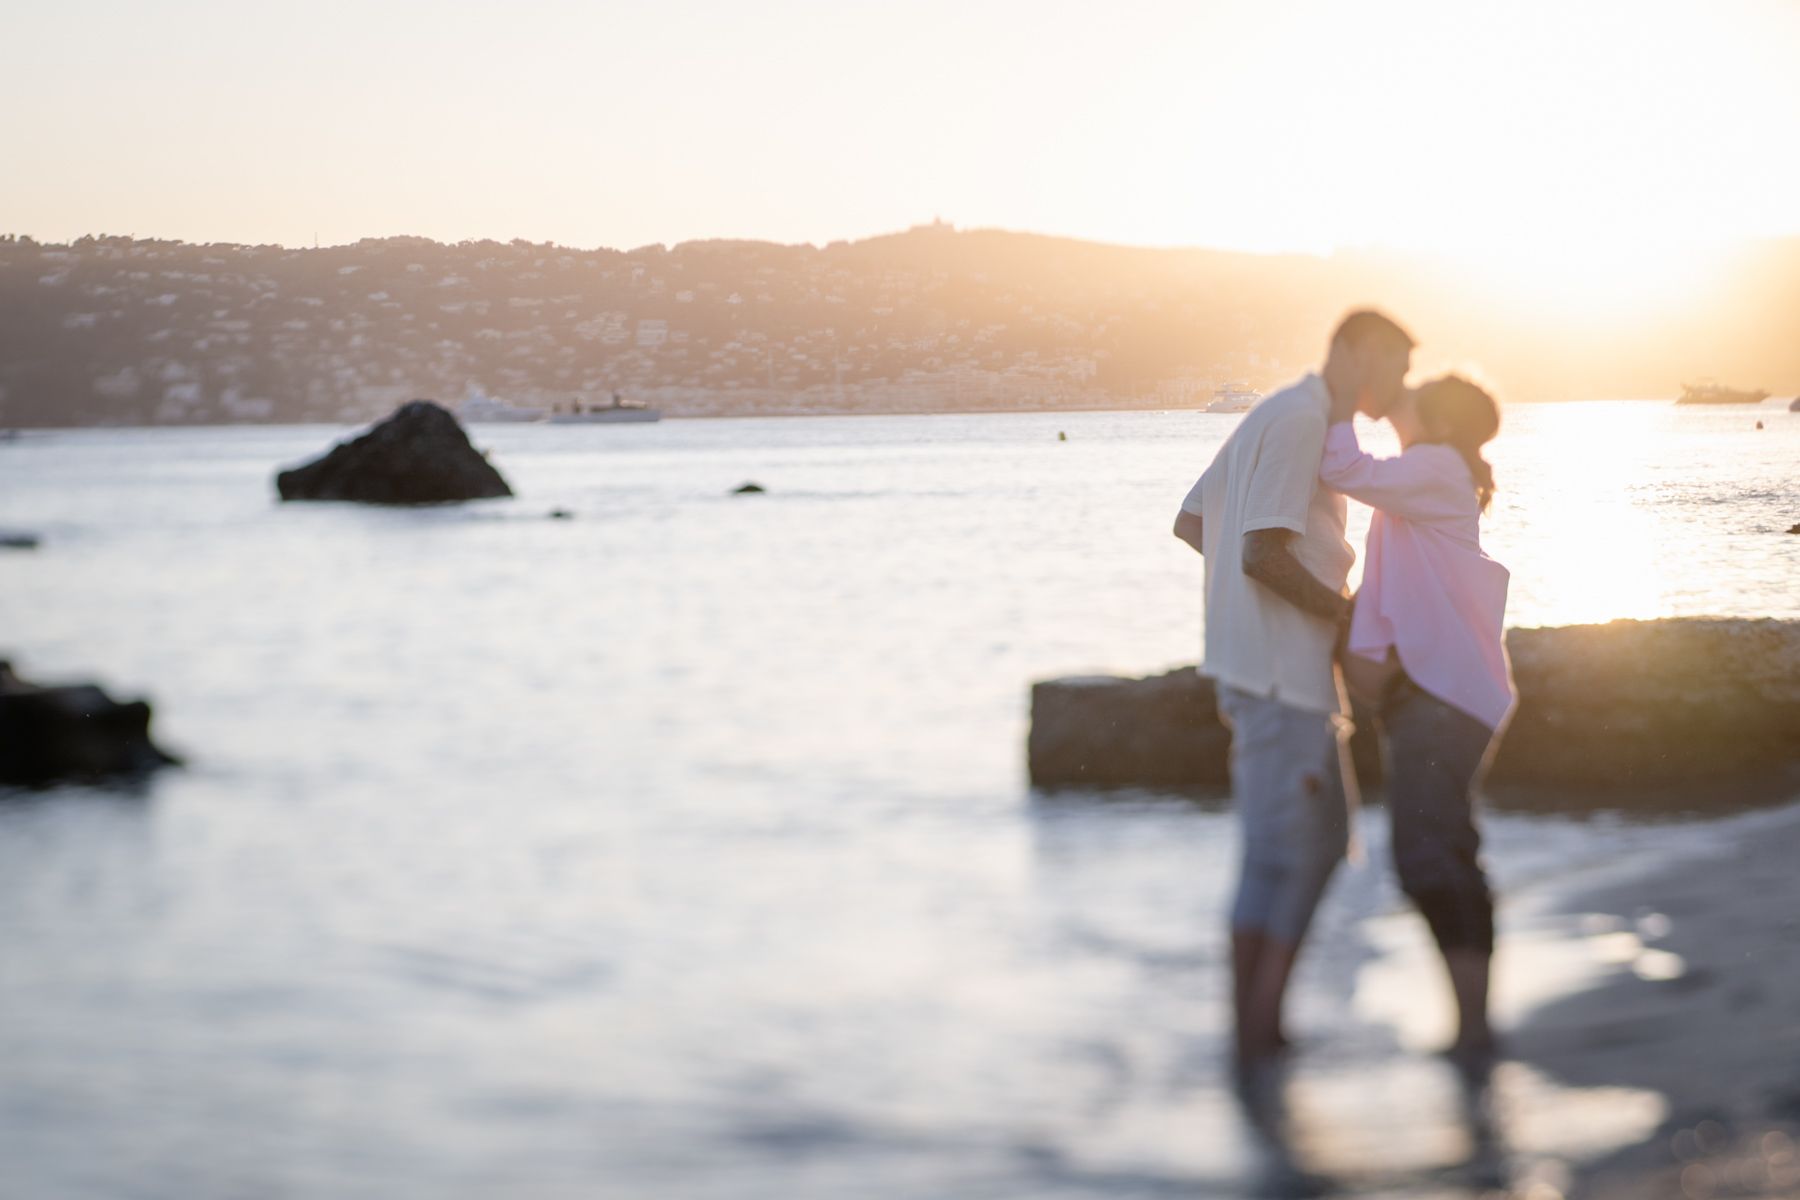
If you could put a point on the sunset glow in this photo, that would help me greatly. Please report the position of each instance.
(685, 598)
(1540, 137)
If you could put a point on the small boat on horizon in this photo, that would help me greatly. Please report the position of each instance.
(619, 411)
(478, 407)
(1233, 398)
(1711, 391)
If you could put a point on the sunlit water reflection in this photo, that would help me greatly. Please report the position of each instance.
(683, 849)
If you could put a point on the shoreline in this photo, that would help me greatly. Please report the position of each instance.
(790, 414)
(1700, 1004)
(1664, 983)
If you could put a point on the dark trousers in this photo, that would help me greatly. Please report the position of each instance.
(1434, 752)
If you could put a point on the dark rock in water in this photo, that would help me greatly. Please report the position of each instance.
(419, 455)
(10, 540)
(1794, 528)
(1163, 731)
(748, 489)
(1631, 705)
(561, 514)
(1648, 702)
(1794, 405)
(71, 734)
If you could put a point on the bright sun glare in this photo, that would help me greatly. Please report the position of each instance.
(1612, 282)
(1568, 143)
(1620, 572)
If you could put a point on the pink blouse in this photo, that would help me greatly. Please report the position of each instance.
(1428, 591)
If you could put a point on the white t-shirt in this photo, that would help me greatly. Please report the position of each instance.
(1266, 476)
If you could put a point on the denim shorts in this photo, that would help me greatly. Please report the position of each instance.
(1288, 783)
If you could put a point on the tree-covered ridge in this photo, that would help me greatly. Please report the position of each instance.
(122, 330)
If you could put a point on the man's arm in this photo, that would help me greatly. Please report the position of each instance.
(1187, 528)
(1268, 560)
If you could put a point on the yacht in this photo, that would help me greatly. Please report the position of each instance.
(1234, 398)
(479, 407)
(1711, 391)
(617, 412)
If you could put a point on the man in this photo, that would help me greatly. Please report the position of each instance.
(1276, 565)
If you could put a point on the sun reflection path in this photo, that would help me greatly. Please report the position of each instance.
(1576, 516)
(1627, 509)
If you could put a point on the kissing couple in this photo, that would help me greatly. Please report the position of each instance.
(1420, 644)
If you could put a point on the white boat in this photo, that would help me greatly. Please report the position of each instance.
(618, 412)
(482, 408)
(1711, 391)
(1234, 398)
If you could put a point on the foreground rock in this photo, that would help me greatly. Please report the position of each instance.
(419, 455)
(1636, 705)
(71, 734)
(1101, 730)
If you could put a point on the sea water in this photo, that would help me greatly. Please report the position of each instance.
(684, 848)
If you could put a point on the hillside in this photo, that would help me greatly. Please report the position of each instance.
(112, 330)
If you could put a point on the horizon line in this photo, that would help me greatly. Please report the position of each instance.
(1371, 249)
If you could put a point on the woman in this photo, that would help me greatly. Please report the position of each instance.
(1424, 648)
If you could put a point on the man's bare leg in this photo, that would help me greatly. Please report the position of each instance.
(1246, 953)
(1261, 967)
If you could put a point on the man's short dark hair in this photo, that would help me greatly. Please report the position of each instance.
(1366, 323)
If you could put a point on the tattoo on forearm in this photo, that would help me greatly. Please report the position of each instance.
(1268, 560)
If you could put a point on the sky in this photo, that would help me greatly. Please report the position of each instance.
(1519, 134)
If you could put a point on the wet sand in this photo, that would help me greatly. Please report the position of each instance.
(1699, 1002)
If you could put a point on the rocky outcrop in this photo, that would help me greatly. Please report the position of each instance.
(1652, 702)
(419, 455)
(1630, 704)
(1100, 730)
(71, 734)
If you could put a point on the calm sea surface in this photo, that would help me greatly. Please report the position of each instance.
(684, 848)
